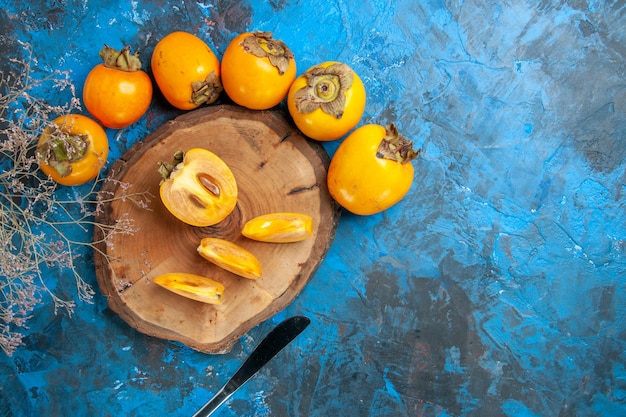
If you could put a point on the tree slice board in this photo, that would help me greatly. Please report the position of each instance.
(276, 168)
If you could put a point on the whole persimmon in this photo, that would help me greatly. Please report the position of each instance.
(327, 101)
(186, 70)
(371, 170)
(257, 70)
(117, 92)
(73, 149)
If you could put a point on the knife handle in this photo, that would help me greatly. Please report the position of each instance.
(273, 343)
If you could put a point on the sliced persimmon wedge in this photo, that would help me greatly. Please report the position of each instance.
(195, 287)
(230, 257)
(279, 227)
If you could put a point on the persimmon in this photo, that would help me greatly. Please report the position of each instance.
(195, 287)
(73, 149)
(327, 101)
(186, 70)
(257, 70)
(117, 92)
(230, 257)
(198, 188)
(279, 227)
(371, 170)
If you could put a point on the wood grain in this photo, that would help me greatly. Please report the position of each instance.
(276, 168)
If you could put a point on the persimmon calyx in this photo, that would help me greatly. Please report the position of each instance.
(325, 89)
(122, 60)
(261, 44)
(166, 168)
(206, 91)
(396, 147)
(62, 149)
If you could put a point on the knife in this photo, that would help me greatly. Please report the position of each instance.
(273, 343)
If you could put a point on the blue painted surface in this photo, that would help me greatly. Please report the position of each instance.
(494, 288)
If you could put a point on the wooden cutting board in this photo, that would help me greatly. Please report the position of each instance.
(277, 169)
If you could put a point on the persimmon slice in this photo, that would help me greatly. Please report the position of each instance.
(230, 256)
(279, 227)
(195, 287)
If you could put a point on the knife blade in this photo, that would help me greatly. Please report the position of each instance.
(273, 343)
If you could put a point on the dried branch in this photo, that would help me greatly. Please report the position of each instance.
(45, 227)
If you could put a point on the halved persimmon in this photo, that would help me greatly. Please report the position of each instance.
(198, 188)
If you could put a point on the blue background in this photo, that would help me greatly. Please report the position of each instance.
(495, 288)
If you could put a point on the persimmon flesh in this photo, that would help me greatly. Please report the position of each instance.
(201, 190)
